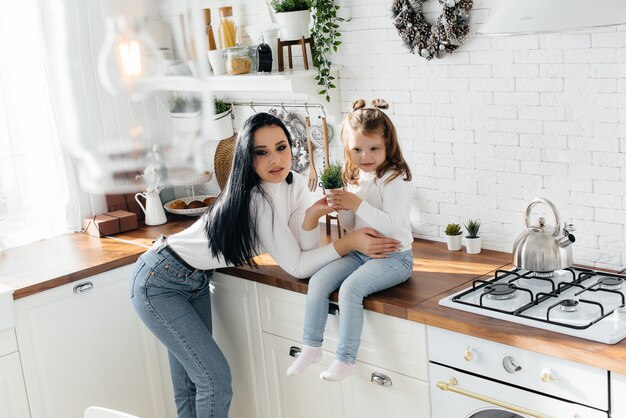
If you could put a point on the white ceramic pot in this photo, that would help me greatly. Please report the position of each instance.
(454, 242)
(185, 123)
(329, 195)
(221, 126)
(293, 25)
(472, 245)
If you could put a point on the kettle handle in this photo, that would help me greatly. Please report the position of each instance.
(557, 216)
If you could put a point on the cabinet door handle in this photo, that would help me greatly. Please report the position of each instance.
(294, 351)
(83, 287)
(333, 308)
(380, 379)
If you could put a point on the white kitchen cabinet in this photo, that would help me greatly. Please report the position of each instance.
(89, 348)
(302, 396)
(618, 395)
(13, 400)
(237, 330)
(390, 376)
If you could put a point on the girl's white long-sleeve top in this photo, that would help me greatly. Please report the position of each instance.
(295, 250)
(385, 207)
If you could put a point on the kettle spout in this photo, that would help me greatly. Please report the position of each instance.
(568, 239)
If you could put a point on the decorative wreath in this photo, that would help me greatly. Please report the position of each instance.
(426, 40)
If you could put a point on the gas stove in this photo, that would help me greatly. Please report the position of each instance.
(579, 302)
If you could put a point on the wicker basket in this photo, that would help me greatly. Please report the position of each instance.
(223, 160)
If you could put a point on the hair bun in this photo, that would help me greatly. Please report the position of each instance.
(357, 104)
(380, 104)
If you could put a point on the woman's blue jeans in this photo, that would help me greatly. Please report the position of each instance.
(173, 300)
(356, 275)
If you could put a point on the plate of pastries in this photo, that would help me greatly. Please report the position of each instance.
(190, 206)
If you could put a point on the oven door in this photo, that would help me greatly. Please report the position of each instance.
(456, 394)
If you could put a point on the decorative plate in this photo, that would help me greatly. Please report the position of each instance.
(189, 212)
(317, 136)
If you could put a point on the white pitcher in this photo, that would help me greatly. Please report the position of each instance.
(155, 215)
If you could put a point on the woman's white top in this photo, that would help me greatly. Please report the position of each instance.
(385, 207)
(294, 249)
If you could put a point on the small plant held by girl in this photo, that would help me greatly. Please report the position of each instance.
(454, 236)
(472, 239)
(331, 177)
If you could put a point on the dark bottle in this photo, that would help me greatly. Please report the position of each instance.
(264, 53)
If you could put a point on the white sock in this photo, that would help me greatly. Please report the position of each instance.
(337, 371)
(309, 355)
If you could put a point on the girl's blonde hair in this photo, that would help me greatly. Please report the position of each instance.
(372, 120)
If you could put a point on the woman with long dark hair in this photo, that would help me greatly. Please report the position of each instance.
(263, 208)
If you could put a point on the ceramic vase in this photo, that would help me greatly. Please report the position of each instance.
(293, 25)
(454, 242)
(472, 245)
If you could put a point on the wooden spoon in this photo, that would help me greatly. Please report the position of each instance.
(312, 171)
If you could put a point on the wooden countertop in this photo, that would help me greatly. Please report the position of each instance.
(436, 272)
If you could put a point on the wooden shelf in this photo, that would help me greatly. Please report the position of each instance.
(295, 81)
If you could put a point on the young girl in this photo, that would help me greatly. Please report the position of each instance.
(379, 197)
(262, 209)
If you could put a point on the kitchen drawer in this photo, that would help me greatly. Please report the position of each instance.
(8, 342)
(395, 344)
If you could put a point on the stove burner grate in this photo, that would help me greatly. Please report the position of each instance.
(569, 305)
(610, 283)
(500, 291)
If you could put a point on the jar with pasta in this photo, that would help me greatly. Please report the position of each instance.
(227, 30)
(238, 60)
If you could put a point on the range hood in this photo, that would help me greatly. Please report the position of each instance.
(514, 17)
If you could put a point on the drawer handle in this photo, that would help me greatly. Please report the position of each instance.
(380, 379)
(333, 308)
(294, 351)
(83, 287)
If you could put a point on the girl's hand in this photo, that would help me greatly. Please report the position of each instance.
(369, 242)
(312, 215)
(341, 199)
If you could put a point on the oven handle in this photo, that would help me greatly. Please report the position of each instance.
(451, 387)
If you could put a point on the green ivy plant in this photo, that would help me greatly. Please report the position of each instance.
(325, 35)
(284, 6)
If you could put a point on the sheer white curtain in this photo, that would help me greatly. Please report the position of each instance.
(38, 193)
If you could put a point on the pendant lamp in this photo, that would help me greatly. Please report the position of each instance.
(514, 17)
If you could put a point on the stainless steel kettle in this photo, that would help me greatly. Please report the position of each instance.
(541, 250)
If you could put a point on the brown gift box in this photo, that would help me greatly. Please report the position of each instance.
(127, 220)
(101, 225)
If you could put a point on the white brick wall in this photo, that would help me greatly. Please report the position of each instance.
(499, 122)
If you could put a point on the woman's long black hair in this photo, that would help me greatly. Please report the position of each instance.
(231, 224)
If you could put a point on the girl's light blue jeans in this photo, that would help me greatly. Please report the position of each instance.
(173, 300)
(356, 275)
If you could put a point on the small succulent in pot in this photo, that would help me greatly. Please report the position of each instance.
(454, 235)
(331, 177)
(453, 229)
(472, 239)
(472, 226)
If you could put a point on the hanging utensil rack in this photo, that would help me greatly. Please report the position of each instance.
(281, 105)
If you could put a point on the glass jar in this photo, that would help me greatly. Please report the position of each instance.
(238, 60)
(227, 30)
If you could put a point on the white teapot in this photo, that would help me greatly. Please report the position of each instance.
(155, 215)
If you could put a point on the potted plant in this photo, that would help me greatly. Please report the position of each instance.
(472, 239)
(453, 236)
(185, 112)
(221, 125)
(325, 33)
(331, 179)
(293, 17)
